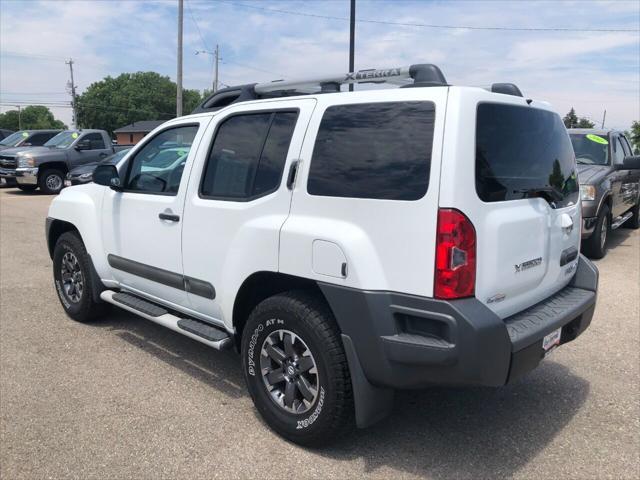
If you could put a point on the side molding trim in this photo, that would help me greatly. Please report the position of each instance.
(165, 277)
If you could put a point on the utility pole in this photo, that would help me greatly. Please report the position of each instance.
(352, 40)
(179, 74)
(73, 94)
(604, 115)
(215, 77)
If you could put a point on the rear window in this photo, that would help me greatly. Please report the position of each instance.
(523, 152)
(373, 150)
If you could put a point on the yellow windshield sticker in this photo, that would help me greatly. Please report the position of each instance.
(74, 135)
(25, 134)
(597, 139)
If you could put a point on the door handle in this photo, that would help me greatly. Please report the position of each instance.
(171, 217)
(293, 170)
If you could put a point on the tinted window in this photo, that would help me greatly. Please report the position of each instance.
(625, 146)
(590, 149)
(523, 152)
(374, 150)
(146, 175)
(38, 139)
(618, 152)
(248, 155)
(95, 140)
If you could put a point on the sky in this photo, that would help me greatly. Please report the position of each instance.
(266, 40)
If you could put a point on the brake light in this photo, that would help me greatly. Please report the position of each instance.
(455, 275)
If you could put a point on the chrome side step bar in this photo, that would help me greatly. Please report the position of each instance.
(200, 331)
(620, 220)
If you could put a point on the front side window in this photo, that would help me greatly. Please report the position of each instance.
(523, 152)
(618, 153)
(148, 174)
(248, 155)
(373, 150)
(95, 140)
(590, 149)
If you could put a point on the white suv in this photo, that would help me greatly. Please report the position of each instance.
(346, 243)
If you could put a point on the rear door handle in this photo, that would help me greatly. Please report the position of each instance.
(293, 170)
(171, 217)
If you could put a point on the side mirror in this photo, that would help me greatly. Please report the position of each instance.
(631, 162)
(107, 175)
(83, 145)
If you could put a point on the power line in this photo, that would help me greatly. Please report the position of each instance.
(429, 25)
(32, 55)
(197, 26)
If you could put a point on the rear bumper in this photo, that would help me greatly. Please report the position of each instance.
(24, 176)
(404, 341)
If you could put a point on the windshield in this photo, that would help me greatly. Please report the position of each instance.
(115, 158)
(63, 139)
(14, 139)
(590, 149)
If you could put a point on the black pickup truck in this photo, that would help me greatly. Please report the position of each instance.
(609, 176)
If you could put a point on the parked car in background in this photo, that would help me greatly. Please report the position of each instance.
(4, 133)
(27, 138)
(24, 139)
(46, 167)
(609, 176)
(84, 173)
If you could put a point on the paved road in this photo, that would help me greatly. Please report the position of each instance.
(125, 398)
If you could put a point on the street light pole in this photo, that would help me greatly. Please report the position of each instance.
(179, 73)
(215, 78)
(352, 40)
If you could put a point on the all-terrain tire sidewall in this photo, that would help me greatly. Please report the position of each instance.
(42, 180)
(85, 309)
(307, 428)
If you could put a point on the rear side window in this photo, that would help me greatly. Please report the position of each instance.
(523, 152)
(95, 140)
(373, 150)
(248, 155)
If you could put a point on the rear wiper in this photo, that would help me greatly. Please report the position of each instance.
(552, 192)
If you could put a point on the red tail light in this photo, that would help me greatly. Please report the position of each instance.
(455, 255)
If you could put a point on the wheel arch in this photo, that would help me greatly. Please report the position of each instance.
(261, 285)
(55, 228)
(59, 165)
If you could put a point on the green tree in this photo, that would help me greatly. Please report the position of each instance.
(570, 119)
(32, 117)
(635, 137)
(130, 97)
(585, 123)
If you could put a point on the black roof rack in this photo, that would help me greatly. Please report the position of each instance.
(419, 75)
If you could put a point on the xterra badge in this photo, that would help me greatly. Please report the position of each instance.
(528, 264)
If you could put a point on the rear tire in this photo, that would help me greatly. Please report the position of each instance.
(27, 188)
(299, 331)
(51, 181)
(73, 279)
(634, 222)
(596, 245)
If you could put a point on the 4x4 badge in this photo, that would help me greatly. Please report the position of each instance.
(528, 264)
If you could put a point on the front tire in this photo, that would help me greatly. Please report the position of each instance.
(296, 369)
(51, 181)
(73, 279)
(596, 245)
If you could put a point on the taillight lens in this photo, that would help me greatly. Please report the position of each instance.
(455, 255)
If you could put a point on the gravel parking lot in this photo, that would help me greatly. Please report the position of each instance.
(125, 398)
